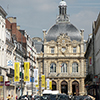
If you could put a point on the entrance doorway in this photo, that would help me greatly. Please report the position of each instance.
(75, 88)
(64, 87)
(54, 85)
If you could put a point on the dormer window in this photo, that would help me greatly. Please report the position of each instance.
(63, 41)
(52, 50)
(74, 49)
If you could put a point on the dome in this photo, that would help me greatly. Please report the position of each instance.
(59, 28)
(62, 3)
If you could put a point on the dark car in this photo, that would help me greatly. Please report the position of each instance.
(52, 97)
(22, 97)
(29, 97)
(37, 97)
(78, 97)
(45, 97)
(86, 98)
(62, 97)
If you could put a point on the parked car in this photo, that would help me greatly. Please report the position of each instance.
(78, 97)
(23, 97)
(37, 97)
(86, 98)
(62, 97)
(52, 97)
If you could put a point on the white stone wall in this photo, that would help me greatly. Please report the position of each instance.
(67, 57)
(3, 49)
(97, 52)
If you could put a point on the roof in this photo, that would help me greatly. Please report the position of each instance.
(38, 46)
(63, 27)
(47, 92)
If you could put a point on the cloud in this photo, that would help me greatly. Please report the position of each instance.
(34, 15)
(83, 20)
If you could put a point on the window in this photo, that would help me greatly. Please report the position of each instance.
(52, 67)
(63, 41)
(74, 67)
(74, 50)
(63, 67)
(52, 50)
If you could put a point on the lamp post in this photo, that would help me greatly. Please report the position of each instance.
(32, 77)
(21, 79)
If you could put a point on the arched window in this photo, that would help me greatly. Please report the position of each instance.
(52, 67)
(63, 67)
(74, 67)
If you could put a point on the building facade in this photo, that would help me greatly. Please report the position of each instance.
(3, 47)
(61, 55)
(92, 55)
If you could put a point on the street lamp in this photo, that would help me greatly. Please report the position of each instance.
(32, 77)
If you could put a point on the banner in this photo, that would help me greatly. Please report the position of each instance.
(16, 71)
(36, 76)
(26, 71)
(47, 83)
(1, 87)
(90, 61)
(37, 85)
(43, 81)
(50, 86)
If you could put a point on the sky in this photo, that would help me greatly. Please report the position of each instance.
(36, 15)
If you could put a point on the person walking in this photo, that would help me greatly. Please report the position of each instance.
(12, 98)
(32, 97)
(26, 98)
(9, 97)
(16, 97)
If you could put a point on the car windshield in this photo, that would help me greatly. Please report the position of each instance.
(44, 97)
(52, 97)
(62, 97)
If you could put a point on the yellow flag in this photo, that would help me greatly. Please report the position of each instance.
(26, 72)
(16, 71)
(43, 82)
(50, 85)
(1, 78)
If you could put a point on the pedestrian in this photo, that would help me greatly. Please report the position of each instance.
(12, 98)
(26, 97)
(16, 97)
(32, 97)
(9, 97)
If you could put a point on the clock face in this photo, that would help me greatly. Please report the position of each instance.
(63, 49)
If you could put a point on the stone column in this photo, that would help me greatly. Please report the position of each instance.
(68, 69)
(58, 84)
(82, 85)
(69, 87)
(82, 67)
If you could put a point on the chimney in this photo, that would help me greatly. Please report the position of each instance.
(18, 27)
(12, 19)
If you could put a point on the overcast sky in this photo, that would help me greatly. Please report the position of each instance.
(36, 15)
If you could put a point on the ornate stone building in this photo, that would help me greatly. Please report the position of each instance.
(61, 55)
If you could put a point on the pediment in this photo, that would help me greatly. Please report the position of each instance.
(62, 37)
(52, 43)
(74, 43)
